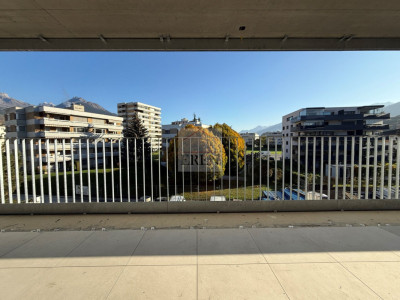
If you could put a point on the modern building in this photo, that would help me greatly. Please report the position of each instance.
(317, 124)
(249, 137)
(169, 131)
(53, 125)
(150, 117)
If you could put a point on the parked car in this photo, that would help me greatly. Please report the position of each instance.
(161, 199)
(177, 198)
(217, 198)
(145, 199)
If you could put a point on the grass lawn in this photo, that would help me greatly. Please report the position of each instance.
(241, 193)
(272, 153)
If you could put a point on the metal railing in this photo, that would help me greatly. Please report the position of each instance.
(35, 170)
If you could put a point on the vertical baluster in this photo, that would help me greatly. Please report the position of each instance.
(352, 167)
(167, 159)
(57, 173)
(104, 171)
(383, 154)
(127, 169)
(72, 170)
(136, 172)
(345, 168)
(49, 171)
(80, 168)
(360, 151)
(41, 171)
(65, 172)
(2, 192)
(329, 166)
(322, 168)
(337, 170)
(25, 171)
(32, 171)
(306, 170)
(291, 166)
(96, 162)
(120, 170)
(375, 167)
(159, 168)
(367, 168)
(314, 167)
(16, 165)
(390, 167)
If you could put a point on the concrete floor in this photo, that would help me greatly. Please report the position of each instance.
(254, 263)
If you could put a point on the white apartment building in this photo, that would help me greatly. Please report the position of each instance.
(2, 135)
(150, 117)
(57, 125)
(169, 131)
(273, 137)
(249, 137)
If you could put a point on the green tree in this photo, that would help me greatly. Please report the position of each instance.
(234, 144)
(135, 131)
(12, 173)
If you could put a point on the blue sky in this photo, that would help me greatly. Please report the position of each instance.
(242, 89)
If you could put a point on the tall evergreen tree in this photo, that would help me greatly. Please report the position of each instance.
(135, 131)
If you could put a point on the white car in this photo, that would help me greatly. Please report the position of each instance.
(177, 198)
(217, 198)
(145, 199)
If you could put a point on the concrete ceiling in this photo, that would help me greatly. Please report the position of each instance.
(199, 25)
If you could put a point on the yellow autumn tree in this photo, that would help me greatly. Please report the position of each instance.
(234, 144)
(197, 150)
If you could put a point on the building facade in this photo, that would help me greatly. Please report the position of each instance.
(249, 137)
(169, 131)
(273, 138)
(150, 117)
(50, 126)
(317, 127)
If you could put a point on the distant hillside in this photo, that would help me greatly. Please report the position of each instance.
(261, 129)
(393, 109)
(393, 122)
(89, 106)
(6, 101)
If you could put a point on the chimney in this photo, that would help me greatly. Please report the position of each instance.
(78, 107)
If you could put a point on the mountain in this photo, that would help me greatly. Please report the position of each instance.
(261, 129)
(6, 101)
(393, 122)
(393, 109)
(89, 106)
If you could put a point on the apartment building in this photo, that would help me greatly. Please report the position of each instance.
(249, 137)
(150, 117)
(273, 137)
(169, 131)
(341, 122)
(57, 125)
(2, 135)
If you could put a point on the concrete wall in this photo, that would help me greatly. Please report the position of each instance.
(199, 207)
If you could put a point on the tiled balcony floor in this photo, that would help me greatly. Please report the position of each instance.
(252, 263)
